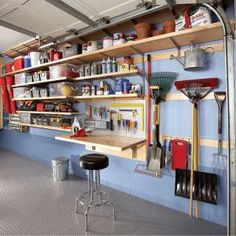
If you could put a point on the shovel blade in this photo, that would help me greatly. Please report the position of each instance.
(154, 159)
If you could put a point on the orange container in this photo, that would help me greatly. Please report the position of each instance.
(143, 30)
(168, 26)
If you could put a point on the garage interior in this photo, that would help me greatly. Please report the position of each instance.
(117, 117)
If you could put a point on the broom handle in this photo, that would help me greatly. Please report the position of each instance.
(195, 148)
(191, 171)
(148, 99)
(194, 159)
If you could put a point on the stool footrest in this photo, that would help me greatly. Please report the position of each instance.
(100, 198)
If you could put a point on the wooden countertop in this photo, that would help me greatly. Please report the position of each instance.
(107, 141)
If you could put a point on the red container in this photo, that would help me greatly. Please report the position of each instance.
(8, 67)
(57, 56)
(18, 63)
(40, 107)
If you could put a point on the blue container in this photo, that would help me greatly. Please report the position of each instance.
(27, 61)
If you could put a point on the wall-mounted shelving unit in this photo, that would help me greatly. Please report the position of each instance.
(199, 34)
(178, 39)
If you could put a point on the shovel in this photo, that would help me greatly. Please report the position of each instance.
(155, 149)
(218, 159)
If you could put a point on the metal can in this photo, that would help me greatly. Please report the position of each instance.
(87, 70)
(94, 69)
(81, 71)
(99, 68)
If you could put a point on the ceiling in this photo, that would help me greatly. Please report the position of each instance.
(47, 20)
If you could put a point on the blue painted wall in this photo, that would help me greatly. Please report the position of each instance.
(175, 120)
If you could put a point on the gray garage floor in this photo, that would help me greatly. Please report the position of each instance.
(31, 203)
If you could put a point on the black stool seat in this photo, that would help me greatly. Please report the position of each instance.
(93, 162)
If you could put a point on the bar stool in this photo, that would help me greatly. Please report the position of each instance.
(94, 197)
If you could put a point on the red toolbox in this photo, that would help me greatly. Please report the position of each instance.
(18, 63)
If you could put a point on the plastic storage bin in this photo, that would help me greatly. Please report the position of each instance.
(25, 118)
(18, 63)
(63, 70)
(63, 89)
(60, 168)
(21, 78)
(22, 92)
(73, 50)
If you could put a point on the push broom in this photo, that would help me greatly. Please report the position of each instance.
(195, 90)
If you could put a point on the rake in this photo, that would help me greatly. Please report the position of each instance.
(195, 90)
(160, 84)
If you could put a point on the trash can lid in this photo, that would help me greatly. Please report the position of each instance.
(60, 159)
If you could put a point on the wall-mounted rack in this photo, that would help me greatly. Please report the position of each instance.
(199, 34)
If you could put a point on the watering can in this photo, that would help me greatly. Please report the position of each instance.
(195, 58)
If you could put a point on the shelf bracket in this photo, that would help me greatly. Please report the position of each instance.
(19, 52)
(136, 50)
(176, 45)
(134, 152)
(107, 32)
(104, 54)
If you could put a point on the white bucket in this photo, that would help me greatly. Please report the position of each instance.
(35, 58)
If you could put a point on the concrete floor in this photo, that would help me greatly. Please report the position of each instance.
(32, 204)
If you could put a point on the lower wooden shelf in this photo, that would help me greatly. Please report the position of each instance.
(106, 141)
(114, 96)
(44, 127)
(42, 98)
(48, 113)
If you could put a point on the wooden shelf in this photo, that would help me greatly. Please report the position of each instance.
(42, 98)
(44, 127)
(102, 140)
(48, 113)
(114, 74)
(41, 82)
(199, 34)
(114, 96)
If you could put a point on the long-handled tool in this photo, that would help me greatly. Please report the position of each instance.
(218, 159)
(160, 84)
(195, 90)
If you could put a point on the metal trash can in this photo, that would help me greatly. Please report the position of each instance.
(60, 168)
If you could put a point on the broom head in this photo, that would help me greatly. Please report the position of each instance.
(209, 83)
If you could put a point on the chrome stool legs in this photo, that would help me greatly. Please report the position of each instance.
(94, 197)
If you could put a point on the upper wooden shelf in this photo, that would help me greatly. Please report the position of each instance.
(102, 140)
(186, 37)
(113, 74)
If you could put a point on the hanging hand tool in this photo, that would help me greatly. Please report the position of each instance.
(218, 159)
(195, 90)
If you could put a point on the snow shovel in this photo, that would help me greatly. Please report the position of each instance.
(219, 159)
